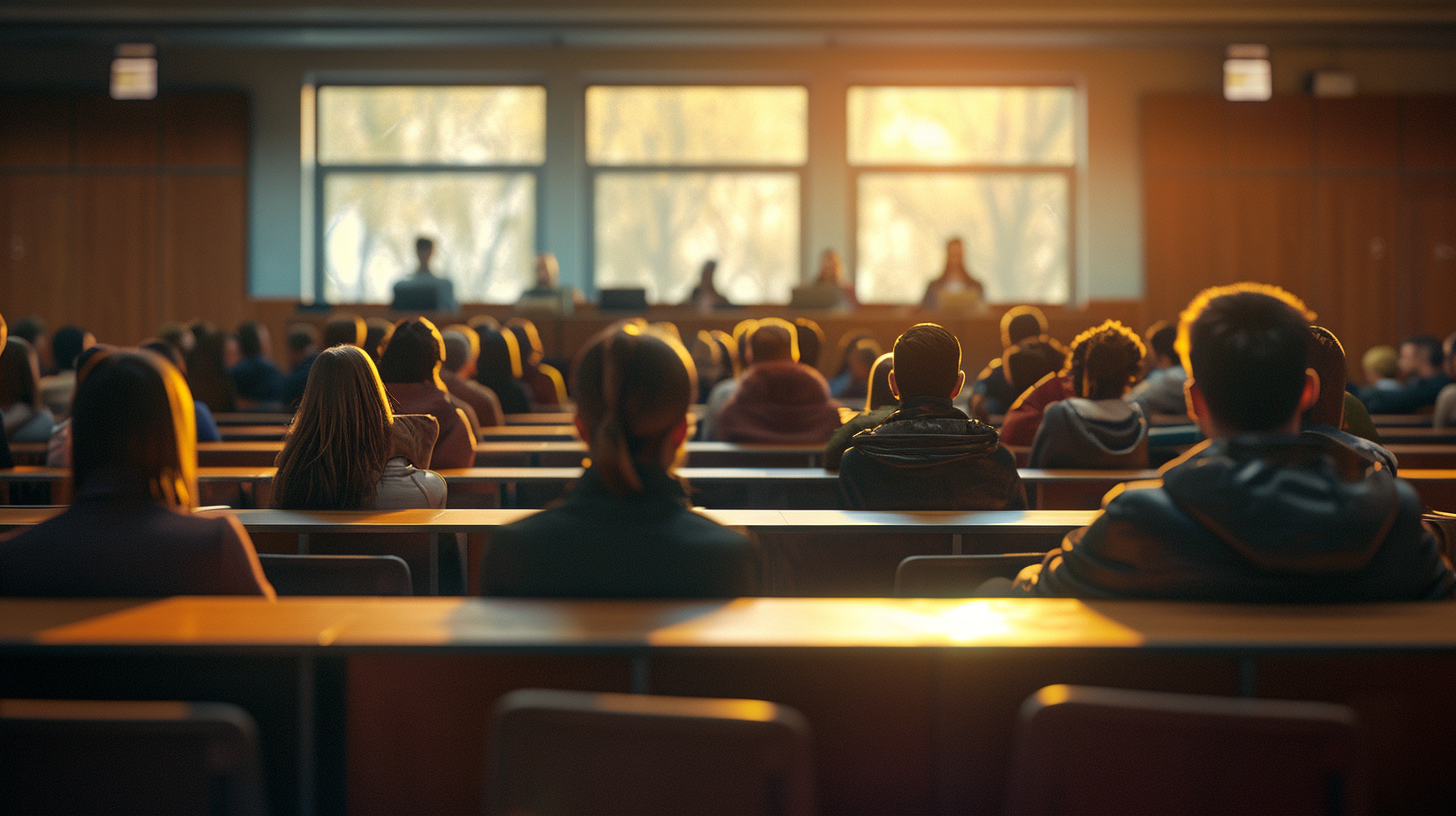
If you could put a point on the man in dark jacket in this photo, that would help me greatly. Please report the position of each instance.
(1258, 513)
(928, 455)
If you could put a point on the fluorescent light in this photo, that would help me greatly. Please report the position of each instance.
(1246, 74)
(134, 71)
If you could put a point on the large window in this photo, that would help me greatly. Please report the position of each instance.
(684, 174)
(994, 166)
(457, 164)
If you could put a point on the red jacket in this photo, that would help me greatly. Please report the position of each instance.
(1019, 427)
(779, 402)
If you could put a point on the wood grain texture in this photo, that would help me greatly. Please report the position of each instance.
(37, 247)
(112, 133)
(204, 249)
(36, 129)
(205, 130)
(1427, 124)
(1360, 133)
(115, 287)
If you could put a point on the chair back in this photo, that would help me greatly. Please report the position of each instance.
(956, 576)
(1082, 749)
(85, 756)
(577, 752)
(337, 574)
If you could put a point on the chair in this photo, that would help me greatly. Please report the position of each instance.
(1081, 749)
(84, 756)
(337, 574)
(956, 576)
(578, 752)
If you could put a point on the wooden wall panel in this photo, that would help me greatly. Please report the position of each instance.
(36, 130)
(36, 253)
(1183, 242)
(205, 130)
(1273, 135)
(1428, 132)
(1431, 297)
(1266, 229)
(204, 249)
(1183, 132)
(1360, 133)
(1359, 255)
(112, 133)
(116, 282)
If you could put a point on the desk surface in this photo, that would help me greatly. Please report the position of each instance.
(566, 626)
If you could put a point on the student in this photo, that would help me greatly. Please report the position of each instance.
(545, 384)
(626, 530)
(130, 533)
(1339, 415)
(27, 419)
(499, 369)
(779, 400)
(259, 382)
(207, 368)
(928, 455)
(410, 368)
(1161, 391)
(992, 393)
(347, 450)
(1421, 363)
(462, 353)
(1020, 424)
(56, 390)
(303, 348)
(879, 404)
(1257, 513)
(1445, 414)
(1097, 428)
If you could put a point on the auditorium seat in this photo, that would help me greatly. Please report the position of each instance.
(1083, 749)
(337, 574)
(85, 756)
(571, 752)
(956, 576)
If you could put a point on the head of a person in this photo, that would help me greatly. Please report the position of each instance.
(548, 271)
(633, 389)
(879, 394)
(811, 341)
(1449, 347)
(741, 333)
(848, 341)
(955, 253)
(31, 329)
(1162, 337)
(345, 329)
(339, 442)
(483, 324)
(773, 341)
(415, 353)
(252, 339)
(1027, 362)
(731, 357)
(1327, 358)
(209, 353)
(529, 340)
(1022, 323)
(424, 248)
(1420, 356)
(134, 430)
(707, 358)
(927, 363)
(462, 346)
(68, 343)
(705, 275)
(500, 357)
(19, 374)
(159, 347)
(376, 335)
(1246, 348)
(302, 340)
(862, 360)
(1112, 358)
(178, 334)
(1381, 363)
(831, 267)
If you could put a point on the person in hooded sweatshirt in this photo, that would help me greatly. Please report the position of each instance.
(928, 455)
(1258, 513)
(1097, 428)
(778, 400)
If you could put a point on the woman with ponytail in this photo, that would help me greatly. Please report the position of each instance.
(1096, 427)
(627, 529)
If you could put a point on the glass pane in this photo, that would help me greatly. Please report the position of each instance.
(484, 226)
(696, 125)
(980, 125)
(655, 230)
(432, 125)
(1015, 227)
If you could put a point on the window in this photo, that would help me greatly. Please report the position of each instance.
(992, 165)
(684, 174)
(459, 164)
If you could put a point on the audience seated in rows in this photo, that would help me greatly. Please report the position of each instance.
(462, 352)
(376, 336)
(879, 404)
(207, 368)
(714, 358)
(544, 383)
(928, 455)
(129, 532)
(778, 400)
(57, 389)
(1019, 426)
(1422, 365)
(32, 329)
(627, 528)
(810, 339)
(1161, 391)
(839, 380)
(346, 450)
(1445, 413)
(303, 347)
(258, 381)
(1381, 365)
(26, 418)
(1257, 513)
(1337, 415)
(1097, 428)
(499, 369)
(410, 368)
(992, 392)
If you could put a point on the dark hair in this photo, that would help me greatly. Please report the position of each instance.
(1028, 361)
(250, 343)
(1327, 358)
(30, 328)
(301, 336)
(414, 354)
(345, 329)
(162, 348)
(1162, 339)
(422, 243)
(1112, 358)
(773, 339)
(1020, 323)
(927, 361)
(879, 395)
(484, 323)
(528, 339)
(500, 354)
(811, 341)
(19, 374)
(67, 342)
(175, 333)
(376, 334)
(207, 371)
(1428, 346)
(633, 388)
(133, 426)
(1246, 346)
(340, 439)
(848, 341)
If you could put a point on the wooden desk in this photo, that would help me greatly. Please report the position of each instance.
(1418, 436)
(912, 703)
(254, 481)
(570, 453)
(1437, 488)
(252, 418)
(542, 418)
(252, 433)
(1383, 421)
(528, 433)
(1423, 456)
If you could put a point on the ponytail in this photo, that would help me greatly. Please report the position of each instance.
(611, 448)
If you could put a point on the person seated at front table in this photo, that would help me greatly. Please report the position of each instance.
(1097, 428)
(130, 532)
(410, 368)
(955, 289)
(1258, 513)
(627, 529)
(928, 455)
(424, 291)
(778, 400)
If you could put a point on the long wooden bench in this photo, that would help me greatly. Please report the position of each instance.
(381, 705)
